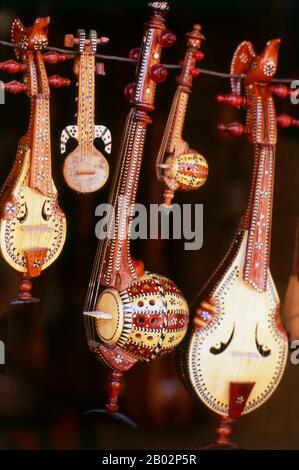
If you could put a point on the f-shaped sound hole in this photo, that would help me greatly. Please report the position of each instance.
(262, 348)
(221, 347)
(24, 213)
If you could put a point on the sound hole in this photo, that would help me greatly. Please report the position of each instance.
(262, 349)
(221, 347)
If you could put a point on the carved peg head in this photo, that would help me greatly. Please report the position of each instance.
(129, 90)
(134, 53)
(167, 39)
(158, 73)
(264, 67)
(234, 128)
(195, 38)
(284, 120)
(34, 38)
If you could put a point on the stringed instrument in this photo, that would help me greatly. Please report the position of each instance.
(32, 226)
(130, 314)
(237, 349)
(178, 166)
(85, 168)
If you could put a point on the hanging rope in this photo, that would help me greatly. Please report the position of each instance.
(114, 58)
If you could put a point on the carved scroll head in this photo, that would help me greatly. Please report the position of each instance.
(195, 37)
(264, 67)
(34, 38)
(256, 68)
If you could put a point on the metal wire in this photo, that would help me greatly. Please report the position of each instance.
(114, 58)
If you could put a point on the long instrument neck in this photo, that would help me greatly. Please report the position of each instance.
(38, 135)
(117, 267)
(258, 219)
(176, 119)
(86, 84)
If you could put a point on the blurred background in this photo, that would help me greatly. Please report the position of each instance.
(50, 377)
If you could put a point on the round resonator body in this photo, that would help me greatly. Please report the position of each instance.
(149, 317)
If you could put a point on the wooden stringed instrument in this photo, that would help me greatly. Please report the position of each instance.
(85, 168)
(178, 166)
(132, 315)
(32, 226)
(236, 351)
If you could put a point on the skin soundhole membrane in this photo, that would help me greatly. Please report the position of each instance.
(149, 318)
(109, 330)
(86, 174)
(189, 170)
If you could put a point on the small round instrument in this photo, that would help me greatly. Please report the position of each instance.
(187, 171)
(178, 166)
(85, 169)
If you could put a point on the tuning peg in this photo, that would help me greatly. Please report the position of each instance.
(232, 99)
(158, 73)
(167, 38)
(234, 128)
(284, 120)
(70, 40)
(100, 68)
(11, 66)
(129, 90)
(52, 57)
(103, 40)
(280, 90)
(56, 81)
(199, 55)
(195, 72)
(134, 53)
(15, 87)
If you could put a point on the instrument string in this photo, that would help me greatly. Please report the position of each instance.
(94, 283)
(114, 58)
(167, 134)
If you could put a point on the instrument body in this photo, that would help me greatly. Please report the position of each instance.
(132, 315)
(85, 168)
(236, 351)
(178, 166)
(32, 226)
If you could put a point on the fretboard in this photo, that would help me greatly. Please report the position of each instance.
(86, 84)
(40, 167)
(176, 120)
(117, 267)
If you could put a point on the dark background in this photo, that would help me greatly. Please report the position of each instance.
(50, 377)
